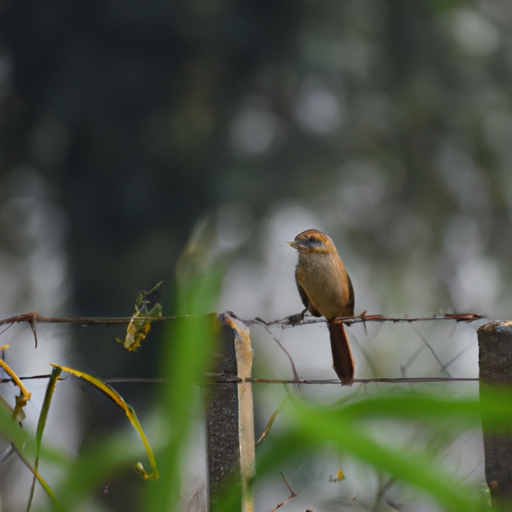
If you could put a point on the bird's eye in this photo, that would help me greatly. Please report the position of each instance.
(314, 241)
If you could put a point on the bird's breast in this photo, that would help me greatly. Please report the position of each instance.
(324, 279)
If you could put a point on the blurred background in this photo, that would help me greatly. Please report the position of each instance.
(131, 129)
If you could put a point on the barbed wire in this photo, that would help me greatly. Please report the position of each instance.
(33, 318)
(291, 321)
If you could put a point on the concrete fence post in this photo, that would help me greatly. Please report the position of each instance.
(495, 362)
(230, 416)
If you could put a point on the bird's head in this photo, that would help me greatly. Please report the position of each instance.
(313, 241)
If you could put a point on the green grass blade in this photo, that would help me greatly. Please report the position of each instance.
(50, 389)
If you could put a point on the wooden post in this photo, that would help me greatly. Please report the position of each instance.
(230, 416)
(495, 355)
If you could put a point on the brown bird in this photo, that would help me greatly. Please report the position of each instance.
(326, 290)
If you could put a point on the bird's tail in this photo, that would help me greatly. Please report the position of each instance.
(342, 360)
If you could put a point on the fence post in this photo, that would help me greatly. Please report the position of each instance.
(495, 361)
(230, 416)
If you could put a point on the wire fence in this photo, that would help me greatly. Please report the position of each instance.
(218, 415)
(32, 318)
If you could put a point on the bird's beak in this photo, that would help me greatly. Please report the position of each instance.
(294, 244)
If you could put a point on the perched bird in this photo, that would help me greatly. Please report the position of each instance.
(325, 289)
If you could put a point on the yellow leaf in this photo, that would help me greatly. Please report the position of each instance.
(128, 410)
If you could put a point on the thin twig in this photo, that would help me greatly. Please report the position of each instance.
(433, 352)
(266, 327)
(292, 494)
